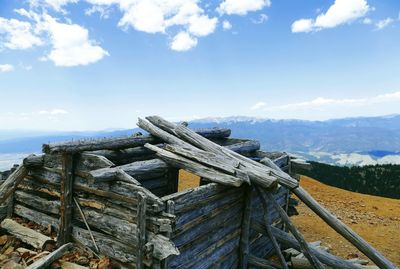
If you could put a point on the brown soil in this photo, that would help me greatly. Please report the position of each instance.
(376, 219)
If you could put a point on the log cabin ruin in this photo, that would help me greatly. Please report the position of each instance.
(120, 198)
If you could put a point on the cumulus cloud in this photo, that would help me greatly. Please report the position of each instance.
(226, 25)
(16, 34)
(383, 23)
(341, 12)
(242, 7)
(183, 41)
(71, 45)
(57, 5)
(6, 68)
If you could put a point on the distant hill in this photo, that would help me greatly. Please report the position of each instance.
(378, 180)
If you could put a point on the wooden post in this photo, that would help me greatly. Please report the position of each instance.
(245, 235)
(141, 229)
(67, 202)
(171, 210)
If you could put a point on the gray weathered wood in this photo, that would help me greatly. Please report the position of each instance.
(67, 204)
(196, 168)
(245, 234)
(33, 161)
(141, 229)
(304, 246)
(261, 263)
(46, 261)
(12, 182)
(26, 235)
(344, 230)
(244, 147)
(267, 223)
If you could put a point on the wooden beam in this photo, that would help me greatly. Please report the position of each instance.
(11, 183)
(46, 261)
(141, 229)
(245, 232)
(362, 245)
(67, 203)
(304, 246)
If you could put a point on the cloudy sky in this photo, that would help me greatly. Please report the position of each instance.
(96, 64)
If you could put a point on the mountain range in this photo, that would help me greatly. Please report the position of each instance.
(347, 141)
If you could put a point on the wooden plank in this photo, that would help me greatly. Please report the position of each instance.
(362, 245)
(141, 229)
(245, 235)
(12, 182)
(261, 263)
(196, 168)
(67, 204)
(26, 235)
(46, 261)
(245, 147)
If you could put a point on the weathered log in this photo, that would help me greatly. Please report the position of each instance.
(12, 182)
(67, 204)
(86, 224)
(118, 190)
(33, 161)
(344, 230)
(107, 244)
(46, 261)
(267, 223)
(70, 265)
(245, 235)
(141, 229)
(196, 168)
(112, 143)
(256, 171)
(304, 246)
(124, 156)
(245, 147)
(26, 235)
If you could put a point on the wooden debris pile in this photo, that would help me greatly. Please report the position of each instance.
(118, 197)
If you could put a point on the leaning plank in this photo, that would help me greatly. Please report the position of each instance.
(67, 204)
(196, 168)
(344, 230)
(26, 235)
(46, 261)
(304, 246)
(12, 182)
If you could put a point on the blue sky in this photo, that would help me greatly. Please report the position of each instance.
(96, 64)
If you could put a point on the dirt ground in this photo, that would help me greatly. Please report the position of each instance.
(376, 219)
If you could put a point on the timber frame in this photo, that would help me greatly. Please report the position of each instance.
(119, 197)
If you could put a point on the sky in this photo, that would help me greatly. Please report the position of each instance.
(101, 64)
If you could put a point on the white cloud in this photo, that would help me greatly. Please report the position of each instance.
(258, 105)
(261, 19)
(202, 25)
(183, 42)
(53, 112)
(16, 34)
(71, 45)
(6, 68)
(241, 7)
(226, 25)
(341, 12)
(383, 23)
(57, 5)
(322, 102)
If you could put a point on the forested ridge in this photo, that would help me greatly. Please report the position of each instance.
(380, 180)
